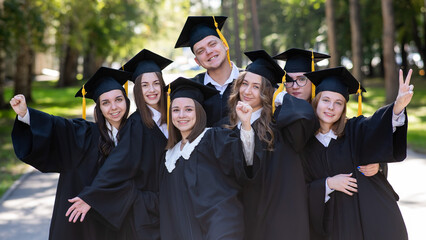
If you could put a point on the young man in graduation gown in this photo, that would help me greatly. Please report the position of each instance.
(71, 147)
(299, 62)
(202, 34)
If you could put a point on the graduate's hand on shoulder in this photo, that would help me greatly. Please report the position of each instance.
(19, 105)
(79, 208)
(244, 112)
(405, 92)
(370, 169)
(343, 183)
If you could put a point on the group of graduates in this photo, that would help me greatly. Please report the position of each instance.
(228, 154)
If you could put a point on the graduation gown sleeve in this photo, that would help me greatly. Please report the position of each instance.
(296, 120)
(115, 191)
(374, 140)
(50, 143)
(215, 200)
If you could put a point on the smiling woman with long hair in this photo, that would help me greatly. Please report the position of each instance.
(343, 203)
(75, 148)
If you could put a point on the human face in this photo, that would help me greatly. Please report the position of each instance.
(183, 115)
(330, 108)
(210, 53)
(250, 90)
(113, 106)
(151, 89)
(297, 91)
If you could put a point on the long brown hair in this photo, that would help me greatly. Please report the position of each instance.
(106, 144)
(263, 126)
(143, 109)
(339, 126)
(200, 125)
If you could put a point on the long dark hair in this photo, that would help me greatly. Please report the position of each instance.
(200, 125)
(106, 144)
(262, 126)
(143, 109)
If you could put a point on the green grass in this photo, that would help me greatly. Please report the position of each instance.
(375, 98)
(48, 98)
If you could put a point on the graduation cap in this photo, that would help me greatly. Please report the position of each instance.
(263, 65)
(145, 61)
(300, 60)
(104, 80)
(196, 28)
(184, 87)
(338, 80)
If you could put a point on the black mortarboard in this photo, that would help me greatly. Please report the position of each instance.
(197, 28)
(337, 79)
(299, 60)
(104, 80)
(183, 87)
(263, 65)
(145, 61)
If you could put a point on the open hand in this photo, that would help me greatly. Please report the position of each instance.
(343, 183)
(79, 208)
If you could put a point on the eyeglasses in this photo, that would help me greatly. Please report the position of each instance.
(300, 81)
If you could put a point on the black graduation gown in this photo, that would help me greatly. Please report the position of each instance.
(372, 213)
(68, 147)
(216, 107)
(135, 160)
(199, 198)
(275, 198)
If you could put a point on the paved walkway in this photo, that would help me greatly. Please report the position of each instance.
(26, 209)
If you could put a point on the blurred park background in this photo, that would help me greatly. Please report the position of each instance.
(49, 48)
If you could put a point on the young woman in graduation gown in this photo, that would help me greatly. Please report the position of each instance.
(199, 190)
(75, 148)
(343, 203)
(137, 157)
(274, 194)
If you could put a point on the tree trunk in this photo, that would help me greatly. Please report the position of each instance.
(331, 34)
(256, 29)
(356, 40)
(69, 68)
(91, 62)
(226, 12)
(417, 41)
(2, 64)
(246, 24)
(21, 73)
(391, 80)
(237, 47)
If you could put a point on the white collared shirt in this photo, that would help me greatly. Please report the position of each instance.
(221, 88)
(112, 132)
(247, 138)
(156, 117)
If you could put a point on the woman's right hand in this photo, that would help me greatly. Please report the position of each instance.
(19, 105)
(343, 183)
(244, 112)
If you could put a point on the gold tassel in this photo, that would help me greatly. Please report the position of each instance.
(168, 107)
(313, 70)
(126, 85)
(280, 89)
(359, 100)
(223, 40)
(83, 92)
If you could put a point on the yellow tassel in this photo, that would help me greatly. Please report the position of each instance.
(313, 70)
(126, 85)
(359, 100)
(223, 40)
(168, 107)
(280, 89)
(83, 92)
